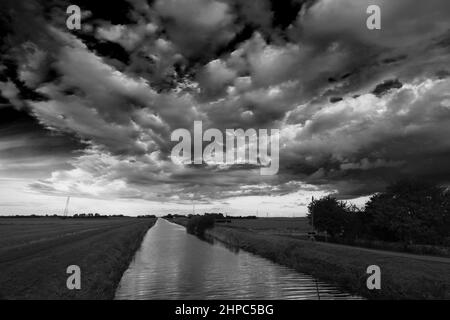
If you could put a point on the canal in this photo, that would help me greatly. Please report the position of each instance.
(172, 264)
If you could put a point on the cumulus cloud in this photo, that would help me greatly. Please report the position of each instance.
(404, 22)
(209, 24)
(356, 108)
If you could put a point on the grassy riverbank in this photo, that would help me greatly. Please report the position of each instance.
(401, 277)
(35, 253)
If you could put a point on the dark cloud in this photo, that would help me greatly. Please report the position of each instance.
(386, 86)
(355, 107)
(30, 150)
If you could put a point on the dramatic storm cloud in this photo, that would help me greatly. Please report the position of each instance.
(89, 113)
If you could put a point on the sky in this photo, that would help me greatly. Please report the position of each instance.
(89, 113)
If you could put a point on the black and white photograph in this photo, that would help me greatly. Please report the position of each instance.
(225, 155)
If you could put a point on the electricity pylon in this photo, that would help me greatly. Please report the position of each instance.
(66, 209)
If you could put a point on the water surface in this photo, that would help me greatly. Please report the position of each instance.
(172, 264)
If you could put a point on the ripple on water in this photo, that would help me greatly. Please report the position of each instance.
(172, 264)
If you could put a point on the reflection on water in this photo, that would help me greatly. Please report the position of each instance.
(172, 264)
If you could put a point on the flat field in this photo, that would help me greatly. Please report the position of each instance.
(295, 227)
(279, 224)
(35, 254)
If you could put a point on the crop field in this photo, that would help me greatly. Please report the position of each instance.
(297, 224)
(35, 254)
(293, 227)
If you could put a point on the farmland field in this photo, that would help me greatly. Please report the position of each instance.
(35, 253)
(297, 224)
(292, 227)
(263, 224)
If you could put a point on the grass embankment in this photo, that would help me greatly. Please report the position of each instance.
(299, 227)
(181, 221)
(401, 277)
(35, 254)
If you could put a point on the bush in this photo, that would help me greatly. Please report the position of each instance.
(198, 224)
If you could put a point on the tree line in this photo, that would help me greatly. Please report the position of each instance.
(409, 211)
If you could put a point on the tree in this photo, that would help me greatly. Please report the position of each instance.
(410, 211)
(328, 214)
